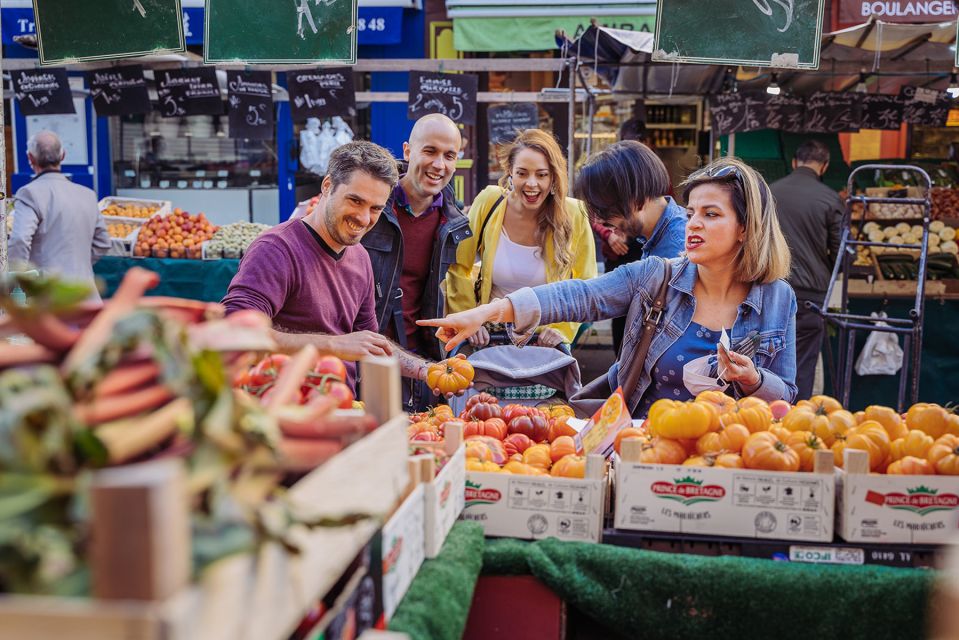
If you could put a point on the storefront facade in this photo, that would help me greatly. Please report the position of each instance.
(193, 162)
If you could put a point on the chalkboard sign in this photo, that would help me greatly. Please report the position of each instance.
(321, 93)
(119, 91)
(188, 92)
(506, 120)
(828, 112)
(738, 112)
(925, 106)
(882, 111)
(75, 30)
(452, 94)
(250, 100)
(786, 113)
(43, 91)
(758, 33)
(285, 31)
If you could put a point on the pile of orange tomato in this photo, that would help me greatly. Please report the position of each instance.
(508, 438)
(717, 431)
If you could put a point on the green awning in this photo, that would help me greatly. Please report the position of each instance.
(533, 33)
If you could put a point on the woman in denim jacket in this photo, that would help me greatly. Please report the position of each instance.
(730, 277)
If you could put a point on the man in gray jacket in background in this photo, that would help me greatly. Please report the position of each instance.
(57, 226)
(810, 214)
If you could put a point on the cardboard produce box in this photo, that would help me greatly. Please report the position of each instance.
(895, 509)
(533, 507)
(403, 549)
(726, 502)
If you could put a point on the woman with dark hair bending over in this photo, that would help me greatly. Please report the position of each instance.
(729, 278)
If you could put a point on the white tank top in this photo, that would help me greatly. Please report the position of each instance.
(516, 266)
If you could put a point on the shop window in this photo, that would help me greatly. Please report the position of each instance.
(195, 152)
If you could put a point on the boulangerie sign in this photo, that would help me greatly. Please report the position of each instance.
(858, 11)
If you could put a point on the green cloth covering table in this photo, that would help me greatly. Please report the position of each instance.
(205, 280)
(633, 593)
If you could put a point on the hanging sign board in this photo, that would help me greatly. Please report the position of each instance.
(507, 120)
(188, 92)
(832, 112)
(288, 31)
(119, 91)
(925, 106)
(859, 11)
(757, 33)
(321, 93)
(74, 30)
(43, 91)
(250, 104)
(881, 111)
(452, 94)
(738, 112)
(785, 113)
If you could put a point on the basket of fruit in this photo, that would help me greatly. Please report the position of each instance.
(232, 240)
(133, 210)
(178, 235)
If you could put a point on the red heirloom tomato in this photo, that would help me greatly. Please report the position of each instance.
(330, 366)
(342, 393)
(267, 369)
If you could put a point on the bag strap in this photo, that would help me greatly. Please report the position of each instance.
(489, 214)
(650, 321)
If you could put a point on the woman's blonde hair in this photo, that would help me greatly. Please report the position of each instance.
(552, 216)
(764, 254)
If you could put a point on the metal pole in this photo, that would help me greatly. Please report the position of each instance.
(571, 145)
(3, 189)
(731, 149)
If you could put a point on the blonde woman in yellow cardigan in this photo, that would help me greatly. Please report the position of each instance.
(526, 232)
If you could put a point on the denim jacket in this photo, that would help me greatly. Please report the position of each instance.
(769, 309)
(384, 243)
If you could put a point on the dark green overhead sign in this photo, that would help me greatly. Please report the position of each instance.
(280, 31)
(758, 33)
(75, 30)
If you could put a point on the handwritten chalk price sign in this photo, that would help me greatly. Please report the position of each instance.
(925, 106)
(833, 112)
(43, 91)
(188, 92)
(250, 100)
(756, 33)
(452, 94)
(321, 93)
(882, 112)
(785, 113)
(507, 120)
(119, 91)
(738, 112)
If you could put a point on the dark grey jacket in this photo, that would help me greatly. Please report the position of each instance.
(384, 243)
(810, 214)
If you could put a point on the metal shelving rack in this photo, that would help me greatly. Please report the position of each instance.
(848, 324)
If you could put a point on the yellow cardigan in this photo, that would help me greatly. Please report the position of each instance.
(460, 280)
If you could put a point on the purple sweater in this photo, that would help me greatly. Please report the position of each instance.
(303, 286)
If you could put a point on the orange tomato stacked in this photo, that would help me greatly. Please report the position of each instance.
(508, 439)
(717, 431)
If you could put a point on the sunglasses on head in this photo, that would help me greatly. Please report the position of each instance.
(726, 171)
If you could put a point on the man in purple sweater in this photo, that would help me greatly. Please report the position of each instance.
(312, 277)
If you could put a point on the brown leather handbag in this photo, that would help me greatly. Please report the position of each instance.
(591, 397)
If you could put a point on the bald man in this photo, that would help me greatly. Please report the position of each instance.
(57, 226)
(414, 243)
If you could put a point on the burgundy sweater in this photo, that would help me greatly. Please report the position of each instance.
(291, 275)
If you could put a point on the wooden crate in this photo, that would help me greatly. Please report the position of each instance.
(246, 596)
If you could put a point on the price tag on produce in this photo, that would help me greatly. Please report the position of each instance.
(600, 432)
